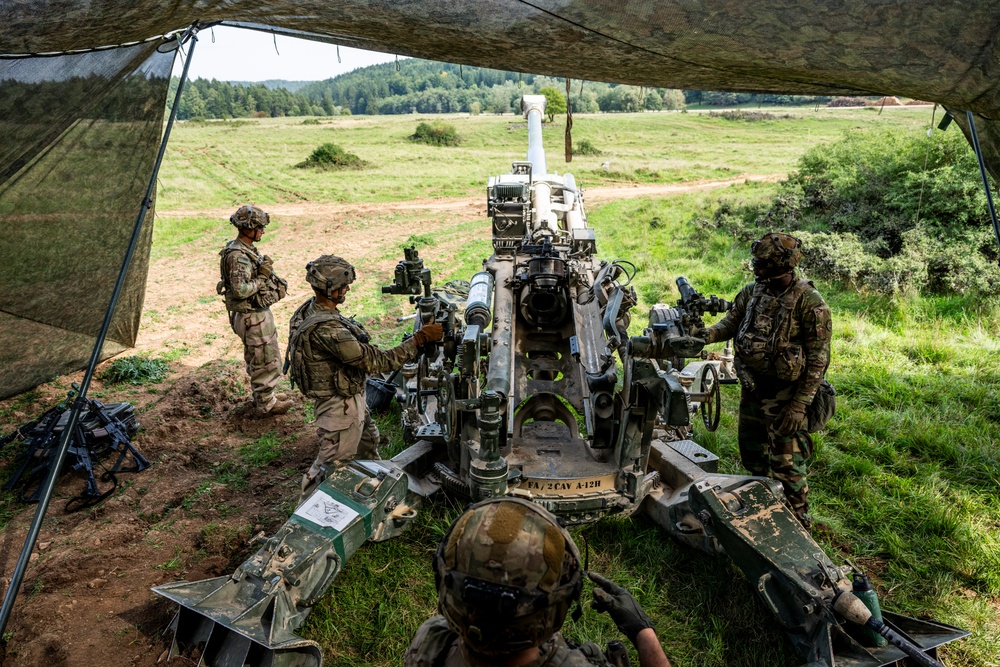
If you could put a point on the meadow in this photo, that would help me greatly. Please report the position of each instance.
(904, 482)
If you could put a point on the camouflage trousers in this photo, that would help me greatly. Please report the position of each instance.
(260, 351)
(765, 453)
(345, 431)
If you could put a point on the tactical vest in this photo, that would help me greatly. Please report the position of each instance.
(273, 290)
(763, 341)
(317, 373)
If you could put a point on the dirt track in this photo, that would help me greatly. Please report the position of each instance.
(85, 600)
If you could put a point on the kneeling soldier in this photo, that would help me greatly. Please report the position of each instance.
(507, 574)
(329, 358)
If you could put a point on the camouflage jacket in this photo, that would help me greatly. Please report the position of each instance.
(245, 291)
(329, 355)
(436, 645)
(784, 337)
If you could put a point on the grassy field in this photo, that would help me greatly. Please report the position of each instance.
(905, 480)
(221, 164)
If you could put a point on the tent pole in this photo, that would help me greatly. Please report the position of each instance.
(982, 172)
(80, 401)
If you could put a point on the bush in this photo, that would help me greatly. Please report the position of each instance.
(886, 211)
(747, 116)
(584, 147)
(331, 156)
(436, 133)
(136, 370)
(311, 121)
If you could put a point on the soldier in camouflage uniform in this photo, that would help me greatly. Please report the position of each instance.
(507, 574)
(329, 358)
(782, 329)
(250, 287)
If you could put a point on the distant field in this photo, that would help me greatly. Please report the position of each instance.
(218, 163)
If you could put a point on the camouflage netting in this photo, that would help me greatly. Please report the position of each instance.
(925, 49)
(78, 136)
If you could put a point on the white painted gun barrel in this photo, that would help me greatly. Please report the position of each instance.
(533, 107)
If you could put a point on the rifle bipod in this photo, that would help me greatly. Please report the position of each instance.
(101, 429)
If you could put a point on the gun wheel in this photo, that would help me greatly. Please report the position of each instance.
(711, 406)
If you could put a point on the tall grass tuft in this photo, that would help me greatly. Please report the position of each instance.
(136, 370)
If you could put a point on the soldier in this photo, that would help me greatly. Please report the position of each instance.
(782, 330)
(250, 287)
(507, 574)
(329, 357)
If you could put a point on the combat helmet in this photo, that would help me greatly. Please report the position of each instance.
(506, 574)
(329, 273)
(774, 254)
(249, 216)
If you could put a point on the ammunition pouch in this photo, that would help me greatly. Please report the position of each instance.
(823, 407)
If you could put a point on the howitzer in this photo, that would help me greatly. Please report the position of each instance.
(538, 391)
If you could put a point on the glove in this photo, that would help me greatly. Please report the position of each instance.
(266, 268)
(792, 419)
(706, 334)
(429, 333)
(619, 604)
(686, 346)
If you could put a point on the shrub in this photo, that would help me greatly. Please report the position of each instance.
(848, 102)
(884, 210)
(311, 121)
(331, 156)
(584, 147)
(436, 133)
(135, 370)
(744, 115)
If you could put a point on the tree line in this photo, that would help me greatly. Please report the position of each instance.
(428, 87)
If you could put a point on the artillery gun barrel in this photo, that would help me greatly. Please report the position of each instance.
(533, 107)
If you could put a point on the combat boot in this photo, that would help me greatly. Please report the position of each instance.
(278, 405)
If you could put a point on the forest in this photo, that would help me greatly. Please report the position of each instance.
(427, 87)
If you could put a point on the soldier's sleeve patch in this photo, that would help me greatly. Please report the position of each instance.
(824, 322)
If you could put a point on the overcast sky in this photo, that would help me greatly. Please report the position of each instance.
(249, 55)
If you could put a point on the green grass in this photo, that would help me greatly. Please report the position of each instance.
(217, 165)
(135, 370)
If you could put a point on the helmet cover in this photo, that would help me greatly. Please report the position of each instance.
(329, 273)
(774, 254)
(249, 216)
(506, 574)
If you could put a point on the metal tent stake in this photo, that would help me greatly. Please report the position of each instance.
(80, 402)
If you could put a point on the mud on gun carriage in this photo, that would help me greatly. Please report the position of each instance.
(538, 391)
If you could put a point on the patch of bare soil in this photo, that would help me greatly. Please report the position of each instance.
(85, 601)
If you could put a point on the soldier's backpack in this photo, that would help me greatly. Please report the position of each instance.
(823, 407)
